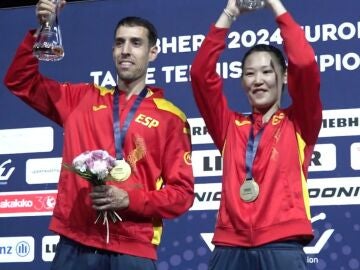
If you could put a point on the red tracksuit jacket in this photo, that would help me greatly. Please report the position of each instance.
(157, 146)
(280, 167)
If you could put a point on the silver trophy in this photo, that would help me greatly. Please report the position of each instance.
(48, 45)
(250, 4)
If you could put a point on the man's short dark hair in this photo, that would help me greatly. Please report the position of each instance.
(137, 21)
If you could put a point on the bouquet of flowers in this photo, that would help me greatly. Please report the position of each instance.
(95, 166)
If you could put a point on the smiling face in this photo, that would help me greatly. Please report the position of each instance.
(263, 79)
(132, 53)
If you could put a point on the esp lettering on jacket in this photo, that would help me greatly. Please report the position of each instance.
(147, 121)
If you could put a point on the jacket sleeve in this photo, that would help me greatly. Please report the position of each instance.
(174, 193)
(208, 86)
(303, 79)
(52, 99)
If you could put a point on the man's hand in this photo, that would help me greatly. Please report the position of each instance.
(107, 197)
(44, 8)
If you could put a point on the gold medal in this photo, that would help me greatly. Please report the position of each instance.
(121, 171)
(249, 190)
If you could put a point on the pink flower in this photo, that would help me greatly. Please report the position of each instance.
(93, 166)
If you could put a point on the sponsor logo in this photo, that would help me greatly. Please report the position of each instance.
(208, 163)
(322, 240)
(323, 158)
(5, 171)
(277, 119)
(207, 197)
(242, 123)
(187, 158)
(96, 108)
(334, 191)
(199, 131)
(17, 249)
(49, 247)
(29, 203)
(26, 140)
(43, 170)
(343, 122)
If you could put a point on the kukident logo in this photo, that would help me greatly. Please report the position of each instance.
(6, 171)
(314, 249)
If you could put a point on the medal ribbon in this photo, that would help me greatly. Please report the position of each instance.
(119, 133)
(251, 149)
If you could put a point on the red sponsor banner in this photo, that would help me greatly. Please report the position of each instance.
(27, 203)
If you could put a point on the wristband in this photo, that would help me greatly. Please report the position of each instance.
(229, 15)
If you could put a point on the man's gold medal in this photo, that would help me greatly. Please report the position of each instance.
(122, 170)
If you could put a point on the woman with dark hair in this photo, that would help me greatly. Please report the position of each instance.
(264, 217)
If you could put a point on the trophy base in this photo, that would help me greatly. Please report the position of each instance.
(250, 4)
(48, 53)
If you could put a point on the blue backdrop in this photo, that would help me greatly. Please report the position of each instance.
(30, 145)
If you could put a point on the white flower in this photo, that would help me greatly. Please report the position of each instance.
(100, 168)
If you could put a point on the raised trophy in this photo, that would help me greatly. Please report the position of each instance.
(48, 45)
(250, 4)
